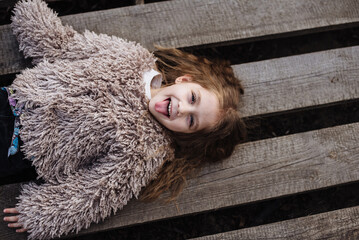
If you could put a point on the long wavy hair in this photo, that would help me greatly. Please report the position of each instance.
(192, 150)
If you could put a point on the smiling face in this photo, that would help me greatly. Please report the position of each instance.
(185, 106)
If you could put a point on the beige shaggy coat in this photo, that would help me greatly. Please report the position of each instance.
(86, 125)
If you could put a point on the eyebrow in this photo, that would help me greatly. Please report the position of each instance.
(198, 97)
(198, 103)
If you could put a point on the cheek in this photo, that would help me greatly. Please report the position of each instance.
(181, 125)
(175, 125)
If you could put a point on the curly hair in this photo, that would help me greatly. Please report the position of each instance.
(192, 150)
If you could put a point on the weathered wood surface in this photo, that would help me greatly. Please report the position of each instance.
(256, 171)
(185, 23)
(339, 224)
(138, 2)
(300, 81)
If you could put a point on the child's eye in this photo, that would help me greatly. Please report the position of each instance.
(193, 98)
(191, 121)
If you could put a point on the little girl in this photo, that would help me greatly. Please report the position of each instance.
(101, 118)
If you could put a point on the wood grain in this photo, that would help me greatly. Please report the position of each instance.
(256, 171)
(187, 23)
(339, 224)
(301, 81)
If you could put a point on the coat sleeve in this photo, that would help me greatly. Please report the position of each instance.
(39, 31)
(41, 34)
(89, 195)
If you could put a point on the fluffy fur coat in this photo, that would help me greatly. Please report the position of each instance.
(86, 124)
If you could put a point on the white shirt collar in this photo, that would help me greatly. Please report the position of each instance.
(152, 79)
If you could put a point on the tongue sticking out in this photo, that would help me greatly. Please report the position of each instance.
(162, 107)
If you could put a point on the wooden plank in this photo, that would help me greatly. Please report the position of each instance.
(300, 81)
(339, 224)
(256, 171)
(187, 23)
(139, 2)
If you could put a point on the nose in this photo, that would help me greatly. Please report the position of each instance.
(183, 109)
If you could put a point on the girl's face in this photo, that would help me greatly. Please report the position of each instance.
(184, 106)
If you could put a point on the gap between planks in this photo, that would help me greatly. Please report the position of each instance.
(339, 224)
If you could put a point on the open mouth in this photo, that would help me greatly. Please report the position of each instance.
(164, 107)
(169, 108)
